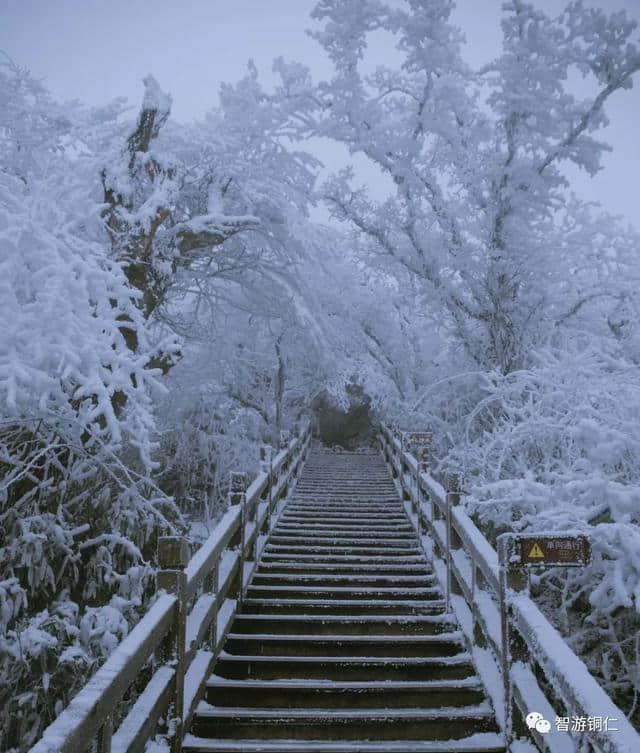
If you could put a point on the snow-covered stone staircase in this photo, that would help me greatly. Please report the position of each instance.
(343, 642)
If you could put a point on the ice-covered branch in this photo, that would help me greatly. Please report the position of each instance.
(211, 230)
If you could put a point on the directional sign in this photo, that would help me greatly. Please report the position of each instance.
(543, 549)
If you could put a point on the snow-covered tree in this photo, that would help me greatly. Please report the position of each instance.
(474, 158)
(178, 196)
(78, 508)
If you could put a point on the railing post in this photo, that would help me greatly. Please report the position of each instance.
(384, 441)
(299, 433)
(237, 496)
(512, 580)
(285, 438)
(210, 585)
(393, 434)
(266, 455)
(478, 583)
(404, 447)
(173, 555)
(421, 451)
(452, 539)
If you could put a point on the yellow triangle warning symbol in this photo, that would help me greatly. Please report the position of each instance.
(536, 552)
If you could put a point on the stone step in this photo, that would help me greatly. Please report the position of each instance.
(333, 520)
(483, 742)
(342, 510)
(271, 644)
(345, 624)
(365, 540)
(342, 606)
(357, 491)
(350, 593)
(360, 558)
(339, 488)
(357, 487)
(364, 483)
(345, 508)
(337, 694)
(357, 524)
(285, 528)
(417, 569)
(321, 524)
(336, 495)
(340, 724)
(324, 549)
(364, 477)
(347, 474)
(262, 578)
(340, 535)
(370, 668)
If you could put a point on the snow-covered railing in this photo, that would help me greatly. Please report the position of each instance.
(540, 673)
(183, 631)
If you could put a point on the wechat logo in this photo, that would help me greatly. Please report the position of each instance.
(536, 721)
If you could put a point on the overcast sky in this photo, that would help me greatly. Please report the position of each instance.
(95, 50)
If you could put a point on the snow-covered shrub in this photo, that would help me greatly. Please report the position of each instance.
(553, 447)
(79, 511)
(47, 659)
(203, 439)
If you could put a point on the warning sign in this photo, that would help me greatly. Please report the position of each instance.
(536, 553)
(541, 549)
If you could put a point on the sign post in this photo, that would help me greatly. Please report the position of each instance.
(518, 553)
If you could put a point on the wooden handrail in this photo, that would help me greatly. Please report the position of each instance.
(185, 627)
(469, 570)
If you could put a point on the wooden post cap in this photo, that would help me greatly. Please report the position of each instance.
(285, 438)
(266, 451)
(453, 498)
(173, 552)
(238, 482)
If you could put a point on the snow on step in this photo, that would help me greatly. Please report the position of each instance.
(316, 578)
(391, 686)
(451, 712)
(368, 620)
(309, 568)
(422, 661)
(377, 590)
(328, 603)
(483, 742)
(359, 558)
(455, 636)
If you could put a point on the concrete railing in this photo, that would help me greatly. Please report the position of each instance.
(185, 627)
